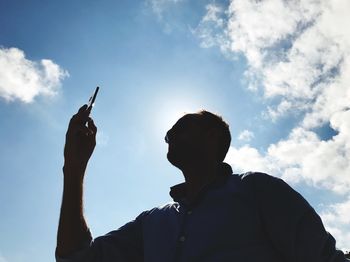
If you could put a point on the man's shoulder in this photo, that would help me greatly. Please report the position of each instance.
(256, 175)
(254, 182)
(162, 209)
(271, 190)
(257, 179)
(260, 181)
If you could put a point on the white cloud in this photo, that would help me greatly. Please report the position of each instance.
(298, 54)
(211, 27)
(214, 12)
(254, 26)
(302, 156)
(247, 158)
(246, 135)
(336, 220)
(159, 6)
(23, 79)
(295, 50)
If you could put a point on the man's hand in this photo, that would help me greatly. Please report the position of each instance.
(73, 232)
(80, 140)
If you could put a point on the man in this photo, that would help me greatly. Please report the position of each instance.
(215, 216)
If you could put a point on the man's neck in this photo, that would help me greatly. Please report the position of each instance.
(197, 178)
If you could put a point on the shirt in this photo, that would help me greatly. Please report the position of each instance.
(243, 218)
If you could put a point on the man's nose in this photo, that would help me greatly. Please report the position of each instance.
(171, 135)
(168, 136)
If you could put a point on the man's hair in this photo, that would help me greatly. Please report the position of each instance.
(210, 120)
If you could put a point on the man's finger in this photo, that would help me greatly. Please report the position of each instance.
(88, 109)
(83, 108)
(82, 112)
(91, 125)
(77, 120)
(82, 115)
(76, 129)
(85, 130)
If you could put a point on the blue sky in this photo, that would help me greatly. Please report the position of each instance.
(155, 60)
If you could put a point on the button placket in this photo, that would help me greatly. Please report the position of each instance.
(182, 239)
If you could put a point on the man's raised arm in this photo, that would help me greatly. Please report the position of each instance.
(73, 232)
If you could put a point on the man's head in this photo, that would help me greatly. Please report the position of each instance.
(198, 139)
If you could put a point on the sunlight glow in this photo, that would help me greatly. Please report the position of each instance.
(170, 109)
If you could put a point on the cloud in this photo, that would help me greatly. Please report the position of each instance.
(302, 156)
(247, 158)
(298, 54)
(158, 7)
(211, 27)
(298, 58)
(336, 220)
(23, 79)
(246, 135)
(295, 50)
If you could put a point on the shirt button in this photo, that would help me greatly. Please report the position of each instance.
(189, 212)
(182, 238)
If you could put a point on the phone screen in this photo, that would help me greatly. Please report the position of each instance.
(92, 98)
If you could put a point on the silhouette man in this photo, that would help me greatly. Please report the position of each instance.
(215, 216)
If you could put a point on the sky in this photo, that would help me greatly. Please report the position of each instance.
(277, 71)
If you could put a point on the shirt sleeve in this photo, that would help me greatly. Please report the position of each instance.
(292, 226)
(123, 244)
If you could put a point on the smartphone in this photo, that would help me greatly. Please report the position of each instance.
(92, 99)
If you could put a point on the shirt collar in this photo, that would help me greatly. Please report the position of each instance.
(178, 192)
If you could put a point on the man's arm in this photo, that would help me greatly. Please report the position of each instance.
(73, 232)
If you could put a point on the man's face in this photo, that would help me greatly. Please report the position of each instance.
(186, 140)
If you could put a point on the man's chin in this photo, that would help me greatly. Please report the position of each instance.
(173, 160)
